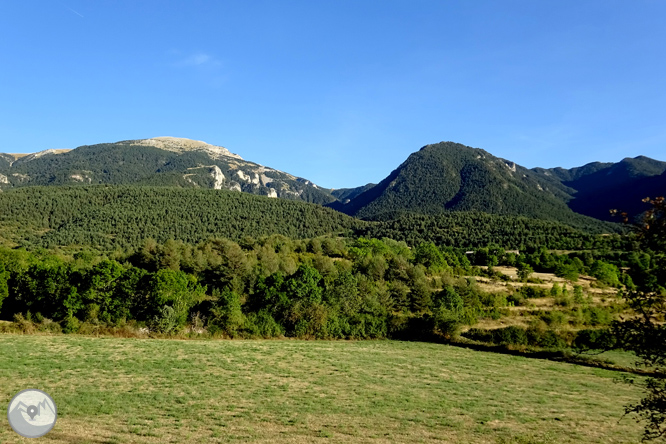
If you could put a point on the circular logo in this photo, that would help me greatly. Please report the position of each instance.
(32, 413)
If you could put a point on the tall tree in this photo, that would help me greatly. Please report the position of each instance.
(645, 334)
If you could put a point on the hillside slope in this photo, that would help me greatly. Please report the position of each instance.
(110, 217)
(452, 177)
(600, 187)
(161, 161)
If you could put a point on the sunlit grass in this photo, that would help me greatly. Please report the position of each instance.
(131, 390)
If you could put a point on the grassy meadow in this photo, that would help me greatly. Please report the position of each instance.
(111, 390)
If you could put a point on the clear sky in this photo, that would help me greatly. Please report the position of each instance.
(339, 91)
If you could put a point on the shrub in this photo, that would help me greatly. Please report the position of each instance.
(530, 292)
(262, 324)
(226, 314)
(578, 295)
(510, 335)
(70, 325)
(447, 322)
(597, 316)
(536, 336)
(563, 301)
(516, 299)
(554, 318)
(594, 339)
(167, 321)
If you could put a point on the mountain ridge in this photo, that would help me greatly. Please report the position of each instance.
(162, 161)
(441, 177)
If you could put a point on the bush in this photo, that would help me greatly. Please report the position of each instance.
(22, 324)
(531, 292)
(510, 335)
(479, 334)
(411, 328)
(71, 325)
(563, 301)
(554, 318)
(167, 321)
(262, 324)
(597, 316)
(516, 299)
(594, 339)
(535, 336)
(578, 296)
(447, 322)
(226, 314)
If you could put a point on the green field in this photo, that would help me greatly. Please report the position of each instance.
(111, 390)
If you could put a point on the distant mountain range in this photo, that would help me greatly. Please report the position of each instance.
(438, 178)
(452, 177)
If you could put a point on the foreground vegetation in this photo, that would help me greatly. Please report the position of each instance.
(128, 390)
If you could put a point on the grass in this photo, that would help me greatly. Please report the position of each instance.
(111, 390)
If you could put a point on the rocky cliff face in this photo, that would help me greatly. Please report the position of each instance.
(164, 161)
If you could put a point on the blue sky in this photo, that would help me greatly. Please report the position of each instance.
(338, 91)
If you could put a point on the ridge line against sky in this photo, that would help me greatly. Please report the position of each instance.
(342, 91)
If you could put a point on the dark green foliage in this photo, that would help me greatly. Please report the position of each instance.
(567, 271)
(122, 217)
(4, 289)
(227, 289)
(49, 287)
(112, 217)
(605, 273)
(524, 271)
(452, 177)
(519, 336)
(227, 316)
(428, 255)
(594, 339)
(645, 334)
(304, 285)
(447, 323)
(263, 325)
(171, 294)
(475, 229)
(529, 292)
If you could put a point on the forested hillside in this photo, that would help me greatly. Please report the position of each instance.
(161, 161)
(109, 217)
(453, 177)
(474, 229)
(597, 187)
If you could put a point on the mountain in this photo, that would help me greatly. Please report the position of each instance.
(161, 161)
(449, 176)
(597, 187)
(452, 177)
(438, 178)
(345, 195)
